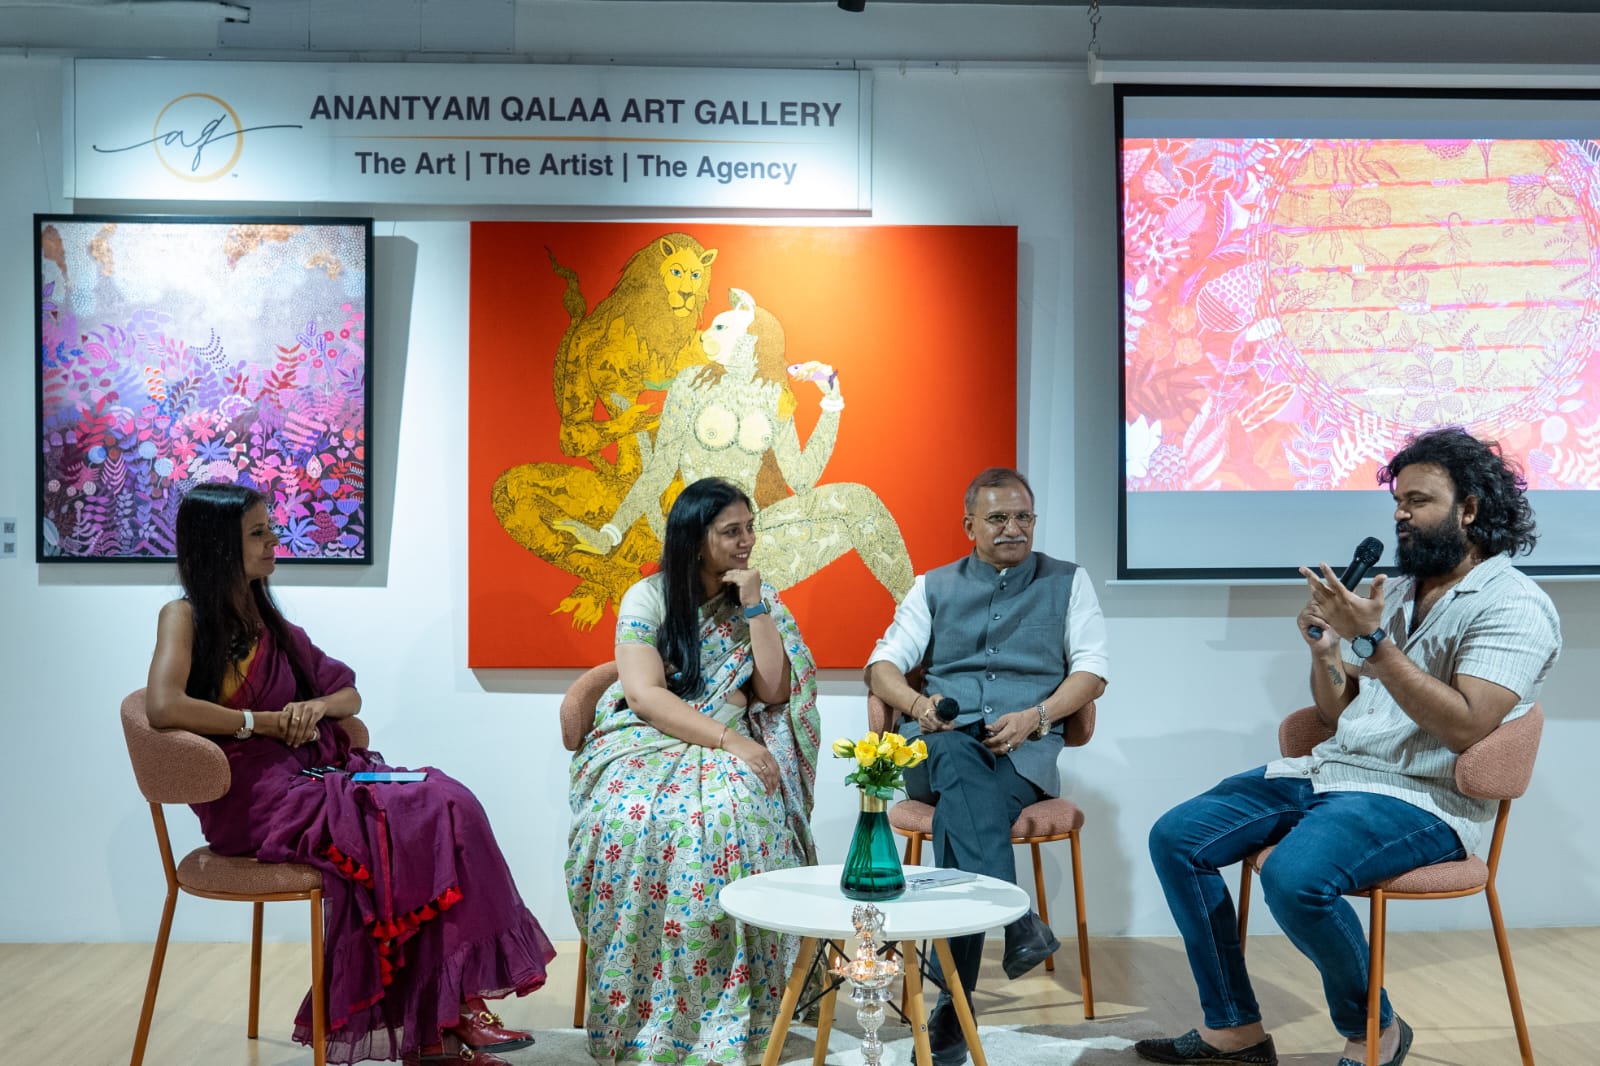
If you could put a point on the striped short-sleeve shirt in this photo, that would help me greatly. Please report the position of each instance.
(1495, 624)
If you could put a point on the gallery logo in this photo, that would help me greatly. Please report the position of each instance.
(198, 137)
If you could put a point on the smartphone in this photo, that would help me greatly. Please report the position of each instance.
(937, 878)
(389, 776)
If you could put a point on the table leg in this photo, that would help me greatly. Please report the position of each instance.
(916, 1010)
(825, 1017)
(958, 994)
(791, 997)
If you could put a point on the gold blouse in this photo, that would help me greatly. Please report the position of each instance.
(234, 675)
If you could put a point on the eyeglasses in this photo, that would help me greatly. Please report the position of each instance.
(999, 519)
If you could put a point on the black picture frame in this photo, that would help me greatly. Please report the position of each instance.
(174, 350)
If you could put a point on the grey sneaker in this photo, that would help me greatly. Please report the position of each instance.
(1399, 1052)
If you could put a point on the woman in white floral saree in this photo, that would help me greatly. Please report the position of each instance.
(699, 771)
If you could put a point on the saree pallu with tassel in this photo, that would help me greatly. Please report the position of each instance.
(419, 908)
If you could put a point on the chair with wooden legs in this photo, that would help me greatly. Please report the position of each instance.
(1039, 823)
(1498, 768)
(177, 766)
(577, 719)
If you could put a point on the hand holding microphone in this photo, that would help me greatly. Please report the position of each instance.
(945, 711)
(1366, 556)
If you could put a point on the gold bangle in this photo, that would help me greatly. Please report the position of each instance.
(721, 737)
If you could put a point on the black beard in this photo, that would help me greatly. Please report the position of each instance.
(1431, 552)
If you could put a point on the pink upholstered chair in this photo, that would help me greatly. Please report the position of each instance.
(577, 719)
(1498, 767)
(1039, 823)
(176, 766)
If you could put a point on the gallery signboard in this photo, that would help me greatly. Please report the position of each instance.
(416, 133)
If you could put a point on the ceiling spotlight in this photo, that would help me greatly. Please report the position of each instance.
(852, 5)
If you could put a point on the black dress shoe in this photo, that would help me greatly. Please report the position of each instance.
(1028, 943)
(945, 1039)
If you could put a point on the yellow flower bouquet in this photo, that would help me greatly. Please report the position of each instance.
(872, 867)
(881, 761)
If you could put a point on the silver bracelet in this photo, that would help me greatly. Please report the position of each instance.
(1044, 722)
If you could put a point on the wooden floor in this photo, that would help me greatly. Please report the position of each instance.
(1447, 985)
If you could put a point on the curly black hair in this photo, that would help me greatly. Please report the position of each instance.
(1504, 522)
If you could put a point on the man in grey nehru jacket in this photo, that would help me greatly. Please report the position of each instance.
(1431, 663)
(1014, 643)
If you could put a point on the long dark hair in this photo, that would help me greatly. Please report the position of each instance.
(1504, 522)
(211, 566)
(693, 512)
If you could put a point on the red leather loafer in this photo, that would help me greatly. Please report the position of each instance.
(437, 1055)
(482, 1030)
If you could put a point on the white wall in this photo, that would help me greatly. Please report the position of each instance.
(1201, 674)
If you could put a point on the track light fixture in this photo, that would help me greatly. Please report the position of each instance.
(852, 5)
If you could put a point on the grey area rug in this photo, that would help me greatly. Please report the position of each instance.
(1004, 1045)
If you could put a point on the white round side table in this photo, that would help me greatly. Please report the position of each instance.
(806, 900)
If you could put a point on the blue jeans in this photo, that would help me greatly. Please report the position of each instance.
(1327, 844)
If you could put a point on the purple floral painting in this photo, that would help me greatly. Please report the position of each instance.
(176, 351)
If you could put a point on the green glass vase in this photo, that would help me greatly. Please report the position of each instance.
(872, 869)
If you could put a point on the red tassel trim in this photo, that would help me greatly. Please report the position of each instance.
(350, 868)
(393, 932)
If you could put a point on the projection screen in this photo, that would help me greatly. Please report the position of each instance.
(1310, 278)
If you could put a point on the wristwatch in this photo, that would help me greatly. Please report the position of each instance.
(1368, 643)
(757, 609)
(1043, 729)
(248, 727)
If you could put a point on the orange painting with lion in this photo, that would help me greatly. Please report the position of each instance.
(831, 372)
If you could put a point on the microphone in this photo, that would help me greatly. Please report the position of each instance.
(947, 709)
(1368, 552)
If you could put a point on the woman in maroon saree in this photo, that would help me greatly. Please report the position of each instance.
(422, 920)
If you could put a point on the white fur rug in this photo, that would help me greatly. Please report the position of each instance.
(1005, 1045)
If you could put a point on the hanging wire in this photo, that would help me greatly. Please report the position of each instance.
(1094, 27)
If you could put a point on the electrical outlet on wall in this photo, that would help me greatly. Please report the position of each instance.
(8, 538)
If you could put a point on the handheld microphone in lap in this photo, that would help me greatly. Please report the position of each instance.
(1368, 552)
(947, 709)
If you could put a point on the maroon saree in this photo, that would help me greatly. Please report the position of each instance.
(420, 911)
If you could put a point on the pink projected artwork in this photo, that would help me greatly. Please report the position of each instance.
(1294, 309)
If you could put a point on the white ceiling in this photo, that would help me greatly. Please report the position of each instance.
(809, 31)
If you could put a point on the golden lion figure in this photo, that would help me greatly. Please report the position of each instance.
(641, 336)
